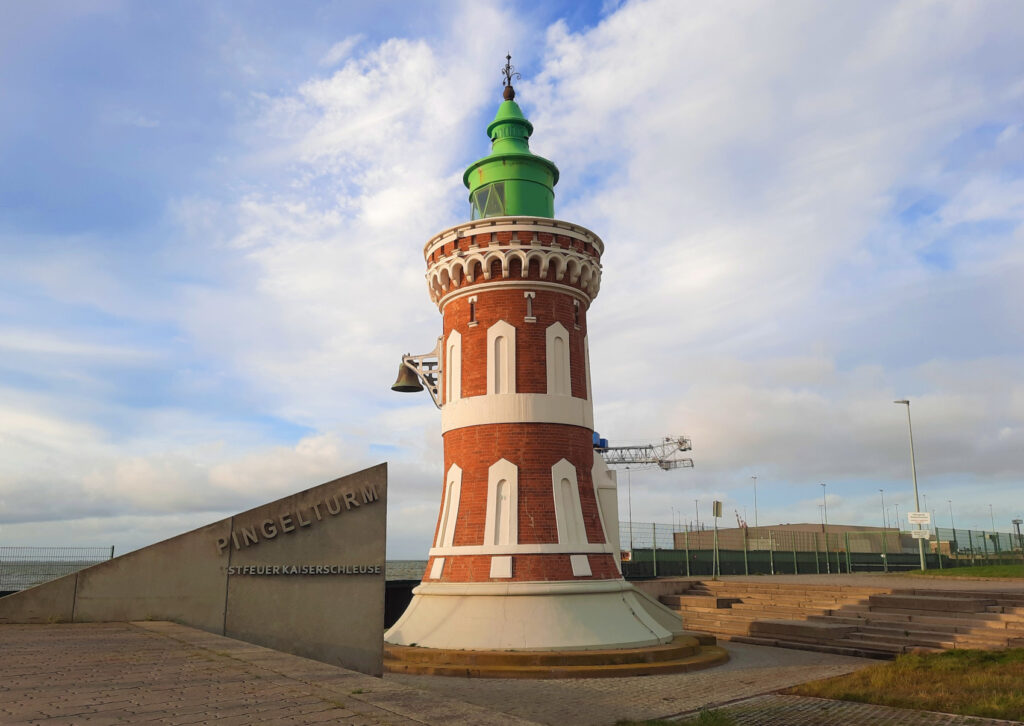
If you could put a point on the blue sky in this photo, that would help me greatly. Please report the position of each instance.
(212, 216)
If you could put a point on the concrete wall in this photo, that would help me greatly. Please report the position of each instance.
(235, 577)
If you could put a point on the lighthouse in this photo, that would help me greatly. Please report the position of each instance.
(525, 549)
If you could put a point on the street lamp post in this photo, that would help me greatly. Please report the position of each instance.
(755, 500)
(952, 524)
(913, 470)
(992, 517)
(885, 520)
(629, 501)
(824, 526)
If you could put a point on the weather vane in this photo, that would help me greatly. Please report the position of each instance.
(509, 72)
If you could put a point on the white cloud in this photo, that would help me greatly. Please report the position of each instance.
(340, 50)
(765, 289)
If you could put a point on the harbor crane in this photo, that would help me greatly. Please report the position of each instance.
(665, 455)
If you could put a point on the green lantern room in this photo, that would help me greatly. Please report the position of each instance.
(511, 180)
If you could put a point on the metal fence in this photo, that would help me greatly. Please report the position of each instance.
(24, 567)
(838, 549)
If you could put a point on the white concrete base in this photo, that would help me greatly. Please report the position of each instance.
(587, 615)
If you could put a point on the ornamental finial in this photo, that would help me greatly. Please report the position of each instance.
(509, 72)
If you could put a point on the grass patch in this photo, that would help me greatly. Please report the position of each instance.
(704, 718)
(969, 682)
(1012, 571)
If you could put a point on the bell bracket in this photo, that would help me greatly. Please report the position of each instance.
(427, 367)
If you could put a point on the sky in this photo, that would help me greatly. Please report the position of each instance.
(212, 217)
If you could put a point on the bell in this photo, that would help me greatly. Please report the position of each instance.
(408, 381)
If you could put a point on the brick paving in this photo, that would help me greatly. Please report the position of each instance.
(779, 710)
(117, 673)
(752, 670)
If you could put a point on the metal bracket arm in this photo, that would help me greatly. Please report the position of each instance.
(427, 367)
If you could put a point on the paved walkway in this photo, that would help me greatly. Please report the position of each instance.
(752, 670)
(117, 673)
(778, 710)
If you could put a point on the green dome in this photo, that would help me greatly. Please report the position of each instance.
(511, 180)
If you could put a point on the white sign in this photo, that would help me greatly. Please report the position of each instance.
(920, 533)
(919, 517)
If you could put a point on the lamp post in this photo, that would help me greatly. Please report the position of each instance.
(824, 526)
(992, 517)
(885, 520)
(755, 500)
(629, 501)
(913, 470)
(824, 502)
(952, 524)
(696, 511)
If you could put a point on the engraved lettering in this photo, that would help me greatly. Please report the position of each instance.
(234, 538)
(222, 544)
(350, 500)
(337, 505)
(316, 511)
(249, 536)
(269, 528)
(369, 494)
(277, 570)
(302, 522)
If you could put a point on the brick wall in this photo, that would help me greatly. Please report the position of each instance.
(534, 448)
(531, 338)
(525, 568)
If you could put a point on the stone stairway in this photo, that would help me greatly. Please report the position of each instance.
(846, 620)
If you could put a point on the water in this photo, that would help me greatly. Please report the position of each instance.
(21, 575)
(405, 569)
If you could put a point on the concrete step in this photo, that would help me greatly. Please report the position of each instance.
(1002, 598)
(800, 630)
(928, 634)
(680, 647)
(701, 601)
(931, 602)
(1007, 610)
(707, 657)
(779, 610)
(955, 624)
(806, 587)
(718, 627)
(698, 610)
(796, 597)
(858, 650)
(936, 642)
(907, 613)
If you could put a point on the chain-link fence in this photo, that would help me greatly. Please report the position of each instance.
(24, 567)
(795, 549)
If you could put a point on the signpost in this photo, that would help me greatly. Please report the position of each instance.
(921, 534)
(919, 517)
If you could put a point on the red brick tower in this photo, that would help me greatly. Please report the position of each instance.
(525, 547)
